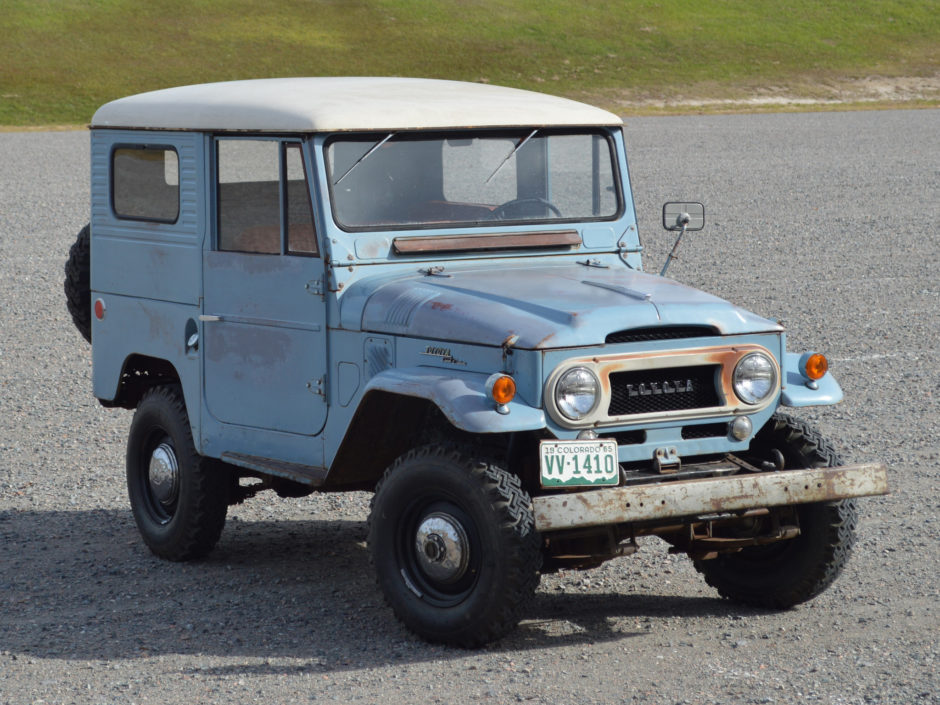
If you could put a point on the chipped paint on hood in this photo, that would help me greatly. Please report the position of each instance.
(567, 305)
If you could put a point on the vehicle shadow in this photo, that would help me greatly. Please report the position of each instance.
(81, 585)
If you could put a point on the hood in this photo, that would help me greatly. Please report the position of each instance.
(568, 305)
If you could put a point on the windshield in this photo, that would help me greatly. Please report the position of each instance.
(390, 181)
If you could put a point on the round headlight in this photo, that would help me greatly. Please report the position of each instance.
(576, 393)
(755, 378)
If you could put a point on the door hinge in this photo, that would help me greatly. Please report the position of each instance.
(314, 286)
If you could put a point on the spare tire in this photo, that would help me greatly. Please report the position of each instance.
(77, 283)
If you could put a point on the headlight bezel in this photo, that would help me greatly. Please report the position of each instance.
(560, 405)
(769, 374)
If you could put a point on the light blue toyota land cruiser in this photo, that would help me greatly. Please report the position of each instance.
(433, 290)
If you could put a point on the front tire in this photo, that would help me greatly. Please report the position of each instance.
(178, 497)
(786, 573)
(453, 542)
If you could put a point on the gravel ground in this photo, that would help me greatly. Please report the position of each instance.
(827, 221)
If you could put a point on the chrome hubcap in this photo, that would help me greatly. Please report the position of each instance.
(442, 548)
(163, 474)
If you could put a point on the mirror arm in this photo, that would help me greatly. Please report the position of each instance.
(684, 219)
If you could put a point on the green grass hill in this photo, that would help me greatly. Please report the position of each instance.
(61, 59)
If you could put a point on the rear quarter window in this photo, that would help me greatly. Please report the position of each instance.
(145, 183)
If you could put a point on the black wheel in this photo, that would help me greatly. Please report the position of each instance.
(786, 573)
(454, 545)
(77, 283)
(179, 498)
(523, 207)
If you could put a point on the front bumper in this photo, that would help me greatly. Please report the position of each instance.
(688, 499)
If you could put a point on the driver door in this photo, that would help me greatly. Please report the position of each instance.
(264, 351)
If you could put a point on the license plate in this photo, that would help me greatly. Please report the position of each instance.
(579, 463)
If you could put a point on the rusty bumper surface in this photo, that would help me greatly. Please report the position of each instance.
(691, 498)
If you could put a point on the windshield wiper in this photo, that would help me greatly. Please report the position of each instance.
(365, 156)
(509, 156)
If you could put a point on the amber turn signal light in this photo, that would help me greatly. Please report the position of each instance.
(502, 388)
(815, 366)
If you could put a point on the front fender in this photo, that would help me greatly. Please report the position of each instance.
(461, 397)
(796, 393)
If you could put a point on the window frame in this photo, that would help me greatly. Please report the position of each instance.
(284, 143)
(143, 147)
(378, 136)
(285, 198)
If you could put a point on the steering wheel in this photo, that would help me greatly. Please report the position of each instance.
(501, 211)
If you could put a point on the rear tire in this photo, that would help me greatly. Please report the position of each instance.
(453, 542)
(179, 498)
(789, 572)
(77, 284)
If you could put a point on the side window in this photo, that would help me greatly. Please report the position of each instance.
(262, 191)
(301, 238)
(249, 201)
(145, 183)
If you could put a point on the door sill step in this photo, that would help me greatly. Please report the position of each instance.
(304, 474)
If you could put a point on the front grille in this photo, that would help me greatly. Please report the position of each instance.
(656, 391)
(642, 335)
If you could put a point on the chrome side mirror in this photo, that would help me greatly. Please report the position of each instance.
(682, 216)
(676, 214)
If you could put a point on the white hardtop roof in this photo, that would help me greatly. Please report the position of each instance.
(344, 104)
